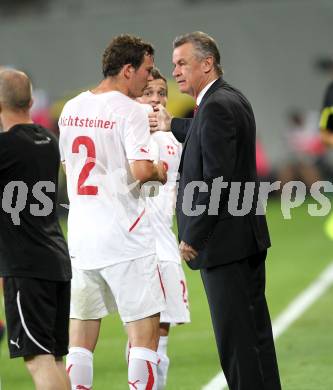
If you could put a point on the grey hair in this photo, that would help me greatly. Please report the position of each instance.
(204, 45)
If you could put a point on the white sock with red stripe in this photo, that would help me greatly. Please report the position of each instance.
(79, 365)
(163, 363)
(142, 367)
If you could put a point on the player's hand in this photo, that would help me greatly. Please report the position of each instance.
(160, 119)
(187, 252)
(162, 169)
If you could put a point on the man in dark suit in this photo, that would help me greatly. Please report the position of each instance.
(222, 232)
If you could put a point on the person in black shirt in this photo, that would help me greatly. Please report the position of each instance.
(34, 259)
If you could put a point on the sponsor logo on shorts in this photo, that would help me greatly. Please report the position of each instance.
(15, 343)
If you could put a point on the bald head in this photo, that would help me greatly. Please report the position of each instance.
(15, 90)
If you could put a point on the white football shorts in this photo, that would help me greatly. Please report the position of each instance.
(176, 295)
(133, 288)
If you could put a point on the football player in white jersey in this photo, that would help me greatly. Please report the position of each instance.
(161, 210)
(104, 137)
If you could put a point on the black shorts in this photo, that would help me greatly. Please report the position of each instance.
(37, 315)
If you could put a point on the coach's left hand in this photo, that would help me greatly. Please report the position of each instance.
(187, 252)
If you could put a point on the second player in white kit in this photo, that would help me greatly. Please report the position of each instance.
(161, 211)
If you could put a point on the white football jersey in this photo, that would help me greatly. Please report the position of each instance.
(161, 207)
(99, 136)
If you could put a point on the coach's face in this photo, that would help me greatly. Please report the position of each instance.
(142, 76)
(189, 71)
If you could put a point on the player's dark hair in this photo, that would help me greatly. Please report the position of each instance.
(122, 50)
(157, 75)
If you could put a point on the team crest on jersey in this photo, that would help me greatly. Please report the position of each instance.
(171, 150)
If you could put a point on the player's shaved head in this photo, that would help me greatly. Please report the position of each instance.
(15, 90)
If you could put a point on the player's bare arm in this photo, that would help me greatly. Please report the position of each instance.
(145, 170)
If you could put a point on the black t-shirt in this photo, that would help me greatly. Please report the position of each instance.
(31, 241)
(326, 120)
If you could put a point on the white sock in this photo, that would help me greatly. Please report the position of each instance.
(79, 366)
(163, 363)
(127, 351)
(142, 367)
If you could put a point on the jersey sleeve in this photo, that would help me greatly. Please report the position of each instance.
(61, 136)
(61, 150)
(137, 136)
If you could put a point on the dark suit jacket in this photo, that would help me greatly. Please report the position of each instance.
(219, 142)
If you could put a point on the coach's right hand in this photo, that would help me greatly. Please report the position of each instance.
(160, 119)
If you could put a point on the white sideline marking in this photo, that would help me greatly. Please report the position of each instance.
(293, 311)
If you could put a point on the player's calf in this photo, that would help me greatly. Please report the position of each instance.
(45, 373)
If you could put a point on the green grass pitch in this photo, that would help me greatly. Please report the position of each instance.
(299, 253)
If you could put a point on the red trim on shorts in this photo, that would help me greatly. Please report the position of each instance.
(182, 282)
(137, 221)
(151, 378)
(68, 369)
(162, 286)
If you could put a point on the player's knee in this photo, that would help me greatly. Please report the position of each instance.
(34, 364)
(144, 333)
(148, 339)
(84, 334)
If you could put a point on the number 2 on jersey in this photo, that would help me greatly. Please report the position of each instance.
(89, 164)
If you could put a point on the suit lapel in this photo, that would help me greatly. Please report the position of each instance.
(217, 84)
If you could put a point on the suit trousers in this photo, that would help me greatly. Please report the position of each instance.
(242, 324)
